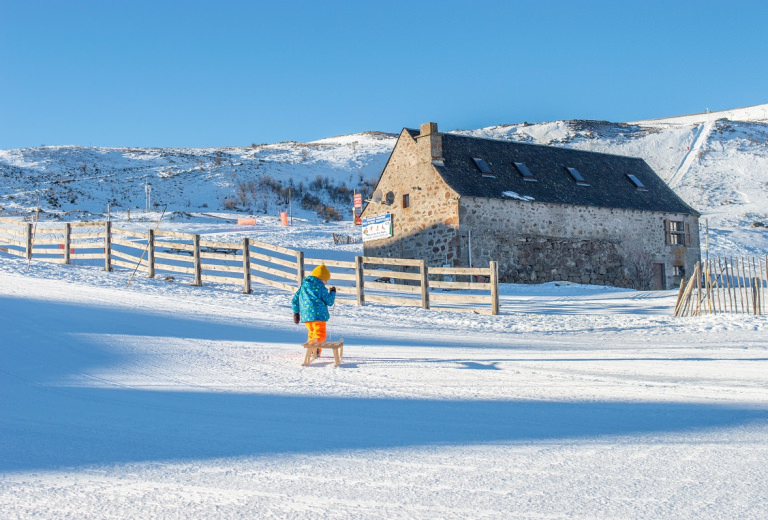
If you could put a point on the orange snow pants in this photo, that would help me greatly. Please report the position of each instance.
(315, 331)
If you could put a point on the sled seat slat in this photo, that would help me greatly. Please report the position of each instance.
(311, 351)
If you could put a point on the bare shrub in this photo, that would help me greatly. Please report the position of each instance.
(639, 268)
(265, 191)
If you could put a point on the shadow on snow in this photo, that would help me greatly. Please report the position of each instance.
(47, 426)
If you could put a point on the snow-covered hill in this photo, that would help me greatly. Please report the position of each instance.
(65, 180)
(716, 161)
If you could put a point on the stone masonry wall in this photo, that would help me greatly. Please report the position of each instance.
(535, 243)
(426, 229)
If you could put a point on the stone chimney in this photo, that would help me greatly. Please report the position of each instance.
(433, 138)
(428, 128)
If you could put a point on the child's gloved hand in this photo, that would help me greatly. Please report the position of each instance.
(333, 289)
(296, 318)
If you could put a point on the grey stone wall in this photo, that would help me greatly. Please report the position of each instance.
(544, 259)
(536, 243)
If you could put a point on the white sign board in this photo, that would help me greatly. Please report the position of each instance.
(375, 228)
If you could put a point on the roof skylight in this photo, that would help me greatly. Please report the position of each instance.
(483, 166)
(577, 176)
(525, 172)
(637, 182)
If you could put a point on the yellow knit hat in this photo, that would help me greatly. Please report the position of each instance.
(321, 272)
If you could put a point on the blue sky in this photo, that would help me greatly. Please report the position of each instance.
(234, 73)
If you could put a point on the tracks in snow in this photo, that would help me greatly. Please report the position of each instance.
(701, 137)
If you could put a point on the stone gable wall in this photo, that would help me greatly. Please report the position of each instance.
(427, 229)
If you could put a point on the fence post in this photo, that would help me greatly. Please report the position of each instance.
(359, 280)
(755, 298)
(745, 284)
(764, 281)
(494, 287)
(108, 247)
(424, 284)
(697, 312)
(246, 266)
(67, 243)
(679, 302)
(687, 305)
(151, 253)
(728, 283)
(711, 295)
(756, 281)
(198, 263)
(299, 267)
(29, 241)
(719, 285)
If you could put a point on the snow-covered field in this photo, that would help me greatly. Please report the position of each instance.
(162, 400)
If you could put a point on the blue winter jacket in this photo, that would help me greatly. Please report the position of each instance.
(312, 300)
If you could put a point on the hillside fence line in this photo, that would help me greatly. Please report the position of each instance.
(725, 285)
(394, 281)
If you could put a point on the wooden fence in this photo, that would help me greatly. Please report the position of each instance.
(392, 281)
(725, 285)
(55, 243)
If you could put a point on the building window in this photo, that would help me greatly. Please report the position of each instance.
(483, 166)
(577, 176)
(678, 271)
(525, 172)
(406, 201)
(678, 233)
(637, 182)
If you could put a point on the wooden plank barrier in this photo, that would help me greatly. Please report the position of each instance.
(61, 242)
(393, 281)
(268, 264)
(725, 285)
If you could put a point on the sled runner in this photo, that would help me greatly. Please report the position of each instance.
(337, 346)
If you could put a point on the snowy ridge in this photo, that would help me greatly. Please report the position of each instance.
(753, 113)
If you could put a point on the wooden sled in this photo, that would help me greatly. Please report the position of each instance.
(336, 346)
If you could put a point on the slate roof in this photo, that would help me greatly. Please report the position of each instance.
(609, 186)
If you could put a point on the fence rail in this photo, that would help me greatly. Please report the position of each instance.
(396, 281)
(725, 285)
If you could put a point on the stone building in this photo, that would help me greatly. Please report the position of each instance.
(543, 213)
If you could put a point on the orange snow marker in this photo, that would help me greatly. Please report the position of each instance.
(246, 221)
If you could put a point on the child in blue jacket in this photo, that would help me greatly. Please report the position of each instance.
(310, 304)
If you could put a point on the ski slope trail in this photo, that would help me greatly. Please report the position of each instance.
(699, 141)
